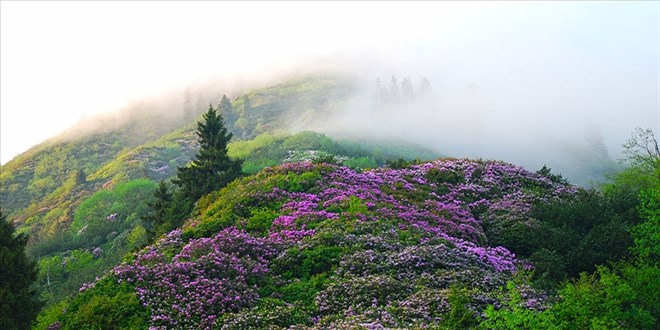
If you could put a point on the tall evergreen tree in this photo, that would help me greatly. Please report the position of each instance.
(394, 90)
(19, 303)
(596, 143)
(407, 90)
(212, 168)
(226, 110)
(247, 104)
(81, 177)
(425, 87)
(157, 221)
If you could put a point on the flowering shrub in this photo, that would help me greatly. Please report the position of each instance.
(360, 292)
(206, 278)
(323, 246)
(270, 313)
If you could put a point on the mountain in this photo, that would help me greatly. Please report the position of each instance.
(322, 246)
(323, 231)
(86, 189)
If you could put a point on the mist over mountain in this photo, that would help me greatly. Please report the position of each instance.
(226, 165)
(82, 198)
(454, 121)
(508, 73)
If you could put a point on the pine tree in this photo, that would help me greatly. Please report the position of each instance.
(425, 87)
(394, 90)
(247, 104)
(226, 110)
(381, 93)
(595, 143)
(212, 168)
(157, 221)
(407, 90)
(19, 303)
(81, 177)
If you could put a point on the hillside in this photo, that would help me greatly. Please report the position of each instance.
(41, 188)
(322, 232)
(86, 191)
(141, 136)
(451, 244)
(322, 246)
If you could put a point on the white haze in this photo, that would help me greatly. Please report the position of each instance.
(512, 80)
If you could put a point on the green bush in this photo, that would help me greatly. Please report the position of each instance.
(50, 315)
(110, 211)
(460, 317)
(106, 306)
(261, 220)
(647, 234)
(364, 162)
(304, 291)
(515, 315)
(446, 176)
(610, 299)
(305, 263)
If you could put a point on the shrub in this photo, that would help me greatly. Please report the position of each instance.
(108, 305)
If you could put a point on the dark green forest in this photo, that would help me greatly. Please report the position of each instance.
(221, 219)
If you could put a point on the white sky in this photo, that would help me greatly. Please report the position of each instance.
(60, 60)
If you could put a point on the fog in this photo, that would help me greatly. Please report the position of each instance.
(532, 103)
(525, 82)
(546, 89)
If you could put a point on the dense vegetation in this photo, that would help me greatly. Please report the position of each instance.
(323, 246)
(82, 197)
(322, 233)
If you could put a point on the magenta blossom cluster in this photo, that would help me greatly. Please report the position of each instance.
(414, 197)
(205, 278)
(441, 206)
(453, 210)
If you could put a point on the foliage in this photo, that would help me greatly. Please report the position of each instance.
(105, 227)
(622, 295)
(287, 104)
(460, 317)
(109, 211)
(566, 237)
(206, 278)
(226, 109)
(641, 149)
(402, 163)
(50, 316)
(311, 244)
(19, 302)
(547, 172)
(211, 169)
(647, 233)
(517, 314)
(563, 238)
(157, 221)
(45, 188)
(619, 298)
(271, 149)
(106, 305)
(388, 246)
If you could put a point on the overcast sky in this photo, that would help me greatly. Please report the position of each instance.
(596, 61)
